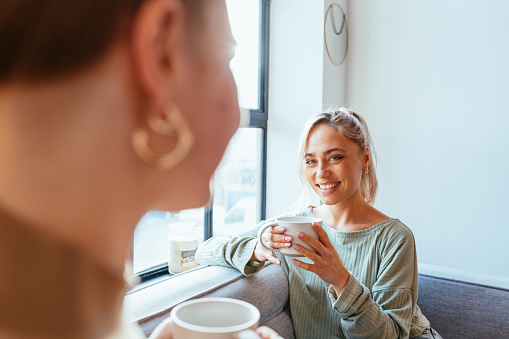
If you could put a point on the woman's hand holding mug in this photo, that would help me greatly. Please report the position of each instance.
(324, 258)
(281, 235)
(304, 237)
(275, 238)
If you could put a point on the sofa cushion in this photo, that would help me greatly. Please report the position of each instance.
(464, 305)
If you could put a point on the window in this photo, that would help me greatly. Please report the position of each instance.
(239, 183)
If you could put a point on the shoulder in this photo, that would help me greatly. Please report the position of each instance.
(395, 233)
(396, 227)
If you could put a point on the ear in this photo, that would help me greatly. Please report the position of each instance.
(365, 158)
(155, 34)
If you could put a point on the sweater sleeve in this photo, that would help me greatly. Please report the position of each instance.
(231, 251)
(386, 311)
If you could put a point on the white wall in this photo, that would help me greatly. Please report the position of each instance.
(295, 92)
(432, 78)
(303, 82)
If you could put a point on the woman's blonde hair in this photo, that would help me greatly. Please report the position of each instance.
(353, 127)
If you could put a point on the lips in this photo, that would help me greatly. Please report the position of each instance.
(328, 185)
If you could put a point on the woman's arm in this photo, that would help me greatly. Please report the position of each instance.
(234, 251)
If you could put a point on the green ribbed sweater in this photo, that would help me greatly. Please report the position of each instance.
(378, 301)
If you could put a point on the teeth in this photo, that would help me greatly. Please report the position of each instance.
(326, 187)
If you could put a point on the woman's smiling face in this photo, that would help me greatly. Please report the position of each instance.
(334, 165)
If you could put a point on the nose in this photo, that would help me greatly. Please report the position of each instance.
(323, 172)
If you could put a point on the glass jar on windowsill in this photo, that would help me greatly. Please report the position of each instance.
(183, 244)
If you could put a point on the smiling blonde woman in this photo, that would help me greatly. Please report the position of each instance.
(362, 280)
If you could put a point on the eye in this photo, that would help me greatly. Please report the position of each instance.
(336, 157)
(310, 162)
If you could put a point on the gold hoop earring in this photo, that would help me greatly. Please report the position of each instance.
(173, 123)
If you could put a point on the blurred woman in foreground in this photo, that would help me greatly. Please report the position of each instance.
(108, 109)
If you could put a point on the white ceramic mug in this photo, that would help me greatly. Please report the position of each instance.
(293, 225)
(214, 318)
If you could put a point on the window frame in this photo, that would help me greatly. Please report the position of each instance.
(258, 119)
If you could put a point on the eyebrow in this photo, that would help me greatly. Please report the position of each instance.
(329, 151)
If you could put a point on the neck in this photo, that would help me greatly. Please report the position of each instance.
(62, 171)
(353, 214)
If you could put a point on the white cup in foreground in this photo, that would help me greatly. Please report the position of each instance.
(293, 225)
(213, 318)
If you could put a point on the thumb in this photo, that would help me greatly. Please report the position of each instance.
(268, 333)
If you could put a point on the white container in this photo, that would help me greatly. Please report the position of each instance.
(214, 318)
(182, 247)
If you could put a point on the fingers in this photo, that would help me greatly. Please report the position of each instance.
(262, 254)
(312, 242)
(270, 256)
(275, 238)
(315, 244)
(268, 333)
(322, 235)
(307, 253)
(318, 246)
(303, 265)
(247, 334)
(277, 229)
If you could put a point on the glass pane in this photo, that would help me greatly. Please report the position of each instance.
(151, 245)
(237, 184)
(245, 22)
(237, 195)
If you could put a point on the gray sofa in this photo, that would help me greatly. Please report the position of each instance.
(459, 305)
(464, 305)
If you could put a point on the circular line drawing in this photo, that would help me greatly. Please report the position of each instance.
(336, 34)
